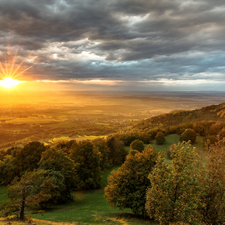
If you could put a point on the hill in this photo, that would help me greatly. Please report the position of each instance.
(214, 113)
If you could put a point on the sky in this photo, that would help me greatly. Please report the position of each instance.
(120, 45)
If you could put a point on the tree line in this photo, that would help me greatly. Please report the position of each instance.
(39, 176)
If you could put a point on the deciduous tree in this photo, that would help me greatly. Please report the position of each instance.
(137, 145)
(23, 193)
(188, 135)
(160, 138)
(214, 185)
(88, 165)
(117, 152)
(59, 160)
(127, 185)
(175, 191)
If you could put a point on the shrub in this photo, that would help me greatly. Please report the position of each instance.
(137, 145)
(188, 135)
(160, 138)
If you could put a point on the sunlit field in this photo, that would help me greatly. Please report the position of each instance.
(48, 117)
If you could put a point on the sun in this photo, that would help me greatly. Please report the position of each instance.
(9, 82)
(10, 69)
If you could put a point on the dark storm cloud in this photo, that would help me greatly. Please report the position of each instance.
(117, 39)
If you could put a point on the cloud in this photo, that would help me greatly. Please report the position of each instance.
(116, 40)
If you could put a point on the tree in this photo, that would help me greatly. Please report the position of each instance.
(100, 146)
(127, 185)
(88, 165)
(213, 180)
(58, 160)
(175, 191)
(199, 128)
(27, 158)
(57, 191)
(160, 138)
(188, 135)
(137, 145)
(216, 128)
(23, 193)
(117, 152)
(8, 169)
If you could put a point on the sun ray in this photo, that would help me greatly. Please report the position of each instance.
(17, 68)
(13, 63)
(24, 70)
(6, 66)
(3, 70)
(10, 69)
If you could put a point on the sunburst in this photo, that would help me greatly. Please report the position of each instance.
(9, 71)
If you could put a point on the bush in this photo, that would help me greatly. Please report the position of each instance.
(127, 185)
(160, 138)
(188, 135)
(137, 145)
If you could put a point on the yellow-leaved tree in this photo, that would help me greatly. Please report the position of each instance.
(175, 191)
(213, 180)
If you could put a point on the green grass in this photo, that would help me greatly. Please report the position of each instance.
(90, 207)
(170, 139)
(174, 139)
(3, 194)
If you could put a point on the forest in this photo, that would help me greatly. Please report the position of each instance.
(168, 169)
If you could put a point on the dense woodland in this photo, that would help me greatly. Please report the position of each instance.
(188, 191)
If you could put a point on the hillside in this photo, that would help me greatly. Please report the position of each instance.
(215, 113)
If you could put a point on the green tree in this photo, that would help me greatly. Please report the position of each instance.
(23, 193)
(101, 147)
(57, 190)
(188, 135)
(213, 180)
(117, 152)
(27, 159)
(127, 185)
(175, 191)
(58, 160)
(137, 145)
(8, 169)
(160, 138)
(88, 165)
